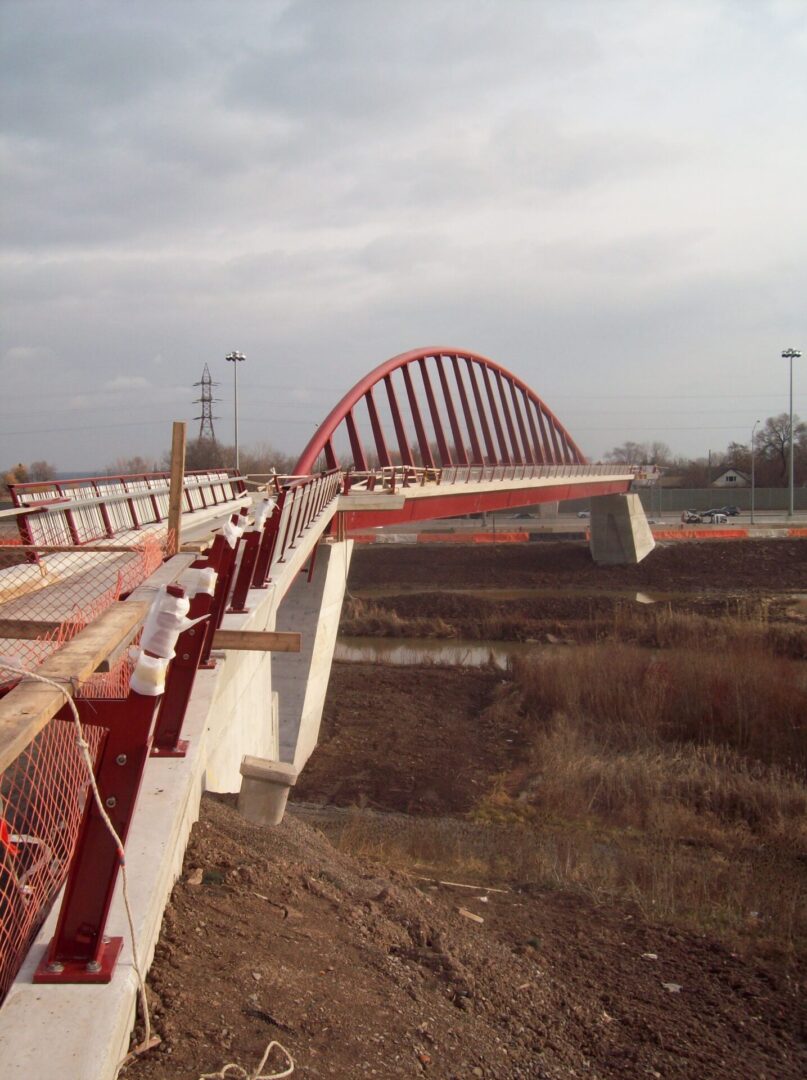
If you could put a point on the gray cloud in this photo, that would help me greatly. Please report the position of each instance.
(606, 198)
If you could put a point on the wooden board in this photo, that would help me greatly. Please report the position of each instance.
(26, 709)
(256, 641)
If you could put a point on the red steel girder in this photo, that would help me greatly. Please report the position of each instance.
(452, 505)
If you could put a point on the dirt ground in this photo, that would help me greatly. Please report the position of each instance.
(359, 972)
(727, 566)
(384, 746)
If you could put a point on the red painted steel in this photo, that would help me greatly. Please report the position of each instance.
(483, 420)
(502, 409)
(444, 505)
(459, 441)
(384, 459)
(78, 950)
(397, 420)
(437, 423)
(476, 449)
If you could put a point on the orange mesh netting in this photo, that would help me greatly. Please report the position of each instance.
(46, 598)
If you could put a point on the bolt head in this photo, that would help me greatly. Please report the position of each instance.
(55, 968)
(111, 802)
(121, 759)
(93, 966)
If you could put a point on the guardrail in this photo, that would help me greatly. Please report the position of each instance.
(97, 508)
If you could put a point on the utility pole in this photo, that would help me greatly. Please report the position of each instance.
(206, 401)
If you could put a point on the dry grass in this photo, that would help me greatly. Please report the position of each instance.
(739, 623)
(675, 779)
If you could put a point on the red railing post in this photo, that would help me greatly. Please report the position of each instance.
(219, 605)
(249, 555)
(79, 950)
(267, 545)
(182, 672)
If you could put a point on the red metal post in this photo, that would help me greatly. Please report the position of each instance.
(398, 424)
(378, 432)
(529, 457)
(518, 454)
(437, 423)
(267, 545)
(494, 412)
(223, 582)
(359, 459)
(79, 951)
(476, 449)
(420, 431)
(456, 431)
(249, 556)
(483, 420)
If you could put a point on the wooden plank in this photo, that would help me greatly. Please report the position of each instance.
(26, 709)
(27, 629)
(176, 489)
(256, 641)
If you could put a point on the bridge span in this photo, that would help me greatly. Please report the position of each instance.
(201, 661)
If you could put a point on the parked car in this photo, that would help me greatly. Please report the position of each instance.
(730, 511)
(691, 517)
(715, 517)
(525, 514)
(584, 513)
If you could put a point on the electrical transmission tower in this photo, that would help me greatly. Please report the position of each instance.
(206, 401)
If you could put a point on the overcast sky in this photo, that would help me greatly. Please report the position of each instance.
(606, 196)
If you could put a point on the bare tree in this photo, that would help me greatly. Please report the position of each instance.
(773, 440)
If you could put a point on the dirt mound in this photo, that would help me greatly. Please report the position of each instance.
(359, 972)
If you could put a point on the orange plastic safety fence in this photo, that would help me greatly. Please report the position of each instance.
(42, 797)
(46, 598)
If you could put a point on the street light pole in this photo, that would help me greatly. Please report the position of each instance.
(753, 431)
(791, 355)
(235, 358)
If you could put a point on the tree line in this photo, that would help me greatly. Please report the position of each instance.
(771, 456)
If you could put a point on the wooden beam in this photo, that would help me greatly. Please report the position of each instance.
(26, 709)
(26, 629)
(256, 641)
(176, 490)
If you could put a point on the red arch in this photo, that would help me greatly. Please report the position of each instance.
(479, 413)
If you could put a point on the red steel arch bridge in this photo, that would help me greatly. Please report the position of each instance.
(442, 432)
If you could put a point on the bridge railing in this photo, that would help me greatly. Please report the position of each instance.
(83, 511)
(300, 502)
(395, 477)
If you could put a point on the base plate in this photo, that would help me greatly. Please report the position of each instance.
(180, 750)
(75, 971)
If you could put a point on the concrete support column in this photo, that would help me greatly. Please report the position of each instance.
(301, 679)
(620, 534)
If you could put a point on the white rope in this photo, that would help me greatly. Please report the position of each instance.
(85, 754)
(238, 1072)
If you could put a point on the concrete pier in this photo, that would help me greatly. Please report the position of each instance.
(620, 533)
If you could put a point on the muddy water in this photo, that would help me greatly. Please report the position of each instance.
(403, 652)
